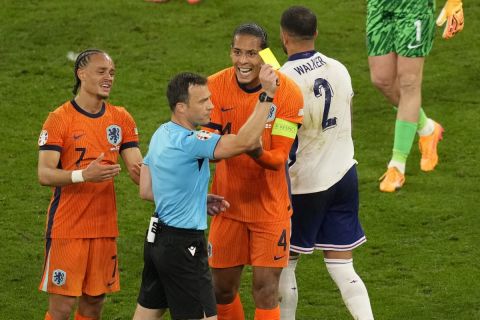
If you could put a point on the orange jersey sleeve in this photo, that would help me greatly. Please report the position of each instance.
(85, 210)
(275, 158)
(255, 193)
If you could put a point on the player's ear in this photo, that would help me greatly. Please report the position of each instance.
(81, 74)
(284, 36)
(180, 107)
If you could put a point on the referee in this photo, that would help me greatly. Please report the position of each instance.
(175, 175)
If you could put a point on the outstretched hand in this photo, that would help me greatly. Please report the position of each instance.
(98, 172)
(216, 204)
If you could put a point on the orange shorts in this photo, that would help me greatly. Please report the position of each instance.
(261, 244)
(74, 267)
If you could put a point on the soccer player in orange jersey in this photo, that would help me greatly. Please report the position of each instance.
(255, 230)
(79, 147)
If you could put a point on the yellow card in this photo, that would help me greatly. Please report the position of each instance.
(269, 58)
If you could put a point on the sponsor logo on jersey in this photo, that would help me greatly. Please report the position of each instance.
(226, 109)
(272, 113)
(203, 135)
(192, 250)
(114, 134)
(43, 138)
(59, 277)
(278, 257)
(77, 135)
(414, 46)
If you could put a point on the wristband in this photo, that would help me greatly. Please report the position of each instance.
(77, 176)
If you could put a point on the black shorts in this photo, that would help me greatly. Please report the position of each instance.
(176, 274)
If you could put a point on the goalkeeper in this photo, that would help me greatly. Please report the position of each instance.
(399, 36)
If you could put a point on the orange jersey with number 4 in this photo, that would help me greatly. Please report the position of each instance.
(254, 193)
(88, 209)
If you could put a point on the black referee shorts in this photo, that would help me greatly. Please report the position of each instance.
(176, 274)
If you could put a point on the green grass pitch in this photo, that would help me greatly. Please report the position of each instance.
(421, 258)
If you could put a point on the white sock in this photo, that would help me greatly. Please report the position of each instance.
(427, 129)
(287, 290)
(399, 165)
(353, 290)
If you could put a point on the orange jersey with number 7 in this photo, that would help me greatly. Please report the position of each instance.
(255, 193)
(88, 209)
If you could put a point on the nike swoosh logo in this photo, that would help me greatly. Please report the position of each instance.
(410, 46)
(226, 109)
(277, 257)
(76, 137)
(110, 283)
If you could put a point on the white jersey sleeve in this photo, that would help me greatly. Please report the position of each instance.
(324, 146)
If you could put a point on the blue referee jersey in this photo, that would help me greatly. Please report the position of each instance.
(178, 161)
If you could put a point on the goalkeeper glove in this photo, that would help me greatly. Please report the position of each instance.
(452, 13)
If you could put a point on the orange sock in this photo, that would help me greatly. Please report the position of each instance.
(78, 316)
(270, 314)
(231, 311)
(48, 316)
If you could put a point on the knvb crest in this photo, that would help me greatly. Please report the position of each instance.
(114, 134)
(59, 277)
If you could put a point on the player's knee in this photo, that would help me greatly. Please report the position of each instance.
(91, 306)
(409, 82)
(225, 295)
(60, 307)
(61, 311)
(382, 82)
(93, 300)
(265, 294)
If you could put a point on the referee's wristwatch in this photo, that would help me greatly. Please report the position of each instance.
(263, 97)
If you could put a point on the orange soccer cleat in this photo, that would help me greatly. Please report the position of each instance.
(428, 148)
(391, 180)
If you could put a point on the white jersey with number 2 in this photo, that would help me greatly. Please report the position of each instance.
(324, 146)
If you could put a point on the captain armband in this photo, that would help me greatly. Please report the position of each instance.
(285, 128)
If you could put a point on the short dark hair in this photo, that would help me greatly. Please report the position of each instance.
(177, 90)
(300, 22)
(252, 29)
(82, 60)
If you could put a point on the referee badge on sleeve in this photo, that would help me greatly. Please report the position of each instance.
(203, 135)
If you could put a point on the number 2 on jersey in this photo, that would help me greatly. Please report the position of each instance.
(320, 83)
